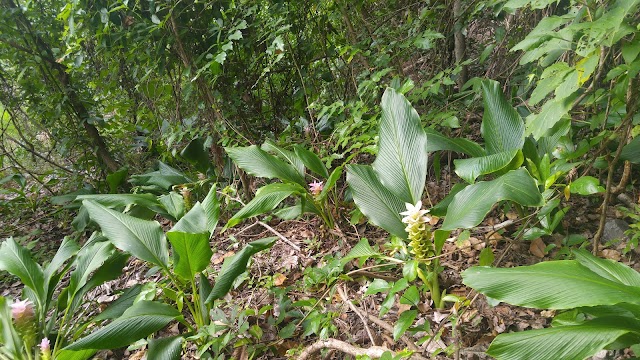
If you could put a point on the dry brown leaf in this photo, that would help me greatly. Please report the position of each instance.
(493, 235)
(174, 329)
(138, 355)
(403, 307)
(218, 259)
(476, 243)
(279, 279)
(612, 254)
(512, 216)
(537, 248)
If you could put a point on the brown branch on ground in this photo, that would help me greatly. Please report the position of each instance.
(374, 352)
(280, 236)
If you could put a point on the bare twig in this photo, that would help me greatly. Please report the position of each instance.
(282, 237)
(374, 352)
(625, 129)
(343, 295)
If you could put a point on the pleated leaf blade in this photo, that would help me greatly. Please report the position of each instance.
(401, 164)
(558, 285)
(469, 206)
(141, 320)
(143, 239)
(503, 128)
(573, 342)
(374, 200)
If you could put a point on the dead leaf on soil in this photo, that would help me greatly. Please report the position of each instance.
(279, 279)
(403, 307)
(218, 259)
(612, 254)
(537, 248)
(138, 355)
(511, 215)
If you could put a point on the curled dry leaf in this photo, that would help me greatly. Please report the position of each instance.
(537, 248)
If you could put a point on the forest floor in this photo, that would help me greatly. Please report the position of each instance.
(456, 332)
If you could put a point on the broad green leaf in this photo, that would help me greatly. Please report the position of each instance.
(211, 207)
(502, 127)
(287, 331)
(551, 78)
(283, 154)
(191, 252)
(141, 238)
(195, 221)
(552, 112)
(115, 179)
(110, 270)
(88, 260)
(167, 348)
(67, 249)
(411, 296)
(331, 183)
(197, 153)
(574, 342)
(378, 286)
(266, 199)
(174, 203)
(374, 200)
(76, 355)
(436, 142)
(118, 307)
(410, 270)
(311, 161)
(18, 261)
(535, 4)
(542, 31)
(586, 185)
(121, 200)
(631, 151)
(564, 284)
(401, 164)
(470, 169)
(235, 266)
(361, 250)
(608, 269)
(404, 322)
(164, 178)
(440, 209)
(289, 212)
(486, 257)
(469, 207)
(139, 321)
(257, 162)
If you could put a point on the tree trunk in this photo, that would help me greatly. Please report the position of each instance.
(459, 42)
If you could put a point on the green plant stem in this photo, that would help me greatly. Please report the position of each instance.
(435, 285)
(197, 316)
(177, 284)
